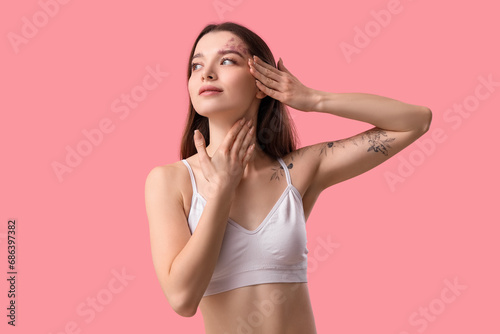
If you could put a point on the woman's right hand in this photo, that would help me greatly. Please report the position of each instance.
(225, 168)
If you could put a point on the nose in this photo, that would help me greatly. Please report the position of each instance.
(208, 73)
(208, 76)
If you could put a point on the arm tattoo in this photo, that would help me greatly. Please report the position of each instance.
(378, 141)
(376, 138)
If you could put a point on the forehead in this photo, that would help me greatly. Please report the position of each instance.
(214, 41)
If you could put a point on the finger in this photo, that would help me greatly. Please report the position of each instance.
(237, 145)
(261, 72)
(268, 91)
(199, 143)
(248, 155)
(205, 163)
(249, 139)
(282, 67)
(269, 82)
(262, 66)
(225, 147)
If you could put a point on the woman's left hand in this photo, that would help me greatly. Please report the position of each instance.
(282, 85)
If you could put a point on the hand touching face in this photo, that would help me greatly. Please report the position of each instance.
(282, 85)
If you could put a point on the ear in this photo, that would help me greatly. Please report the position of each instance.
(260, 94)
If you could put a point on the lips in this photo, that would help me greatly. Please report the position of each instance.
(209, 89)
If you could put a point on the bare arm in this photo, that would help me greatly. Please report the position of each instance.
(184, 263)
(382, 112)
(192, 269)
(397, 125)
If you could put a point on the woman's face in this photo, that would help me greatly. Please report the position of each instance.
(221, 60)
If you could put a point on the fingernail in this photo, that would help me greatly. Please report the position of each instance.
(242, 121)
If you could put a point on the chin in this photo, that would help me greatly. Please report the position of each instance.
(209, 111)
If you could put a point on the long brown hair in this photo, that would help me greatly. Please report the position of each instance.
(276, 133)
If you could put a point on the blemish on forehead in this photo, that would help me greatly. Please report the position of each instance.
(240, 47)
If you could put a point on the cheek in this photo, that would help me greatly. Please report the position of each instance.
(244, 81)
(190, 87)
(251, 86)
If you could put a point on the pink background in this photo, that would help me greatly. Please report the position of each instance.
(397, 246)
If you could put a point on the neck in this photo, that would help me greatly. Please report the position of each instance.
(219, 128)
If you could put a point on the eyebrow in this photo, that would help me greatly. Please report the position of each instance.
(221, 52)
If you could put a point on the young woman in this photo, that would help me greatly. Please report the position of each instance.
(227, 222)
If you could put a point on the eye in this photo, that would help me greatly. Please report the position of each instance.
(193, 66)
(228, 59)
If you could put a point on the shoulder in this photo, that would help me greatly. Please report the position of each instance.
(302, 164)
(304, 158)
(169, 178)
(174, 169)
(300, 154)
(170, 182)
(166, 172)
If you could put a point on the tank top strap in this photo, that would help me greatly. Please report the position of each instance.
(288, 180)
(193, 182)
